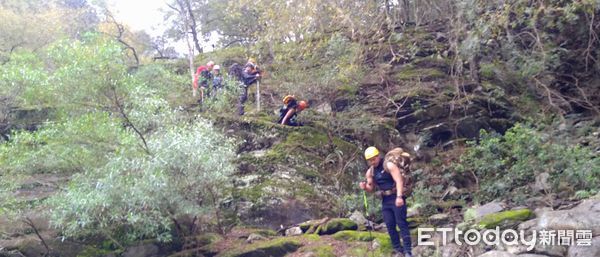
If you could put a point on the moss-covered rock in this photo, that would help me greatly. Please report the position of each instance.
(416, 221)
(274, 248)
(497, 219)
(364, 236)
(335, 225)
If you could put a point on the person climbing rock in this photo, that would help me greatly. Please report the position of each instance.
(390, 176)
(290, 110)
(249, 76)
(203, 75)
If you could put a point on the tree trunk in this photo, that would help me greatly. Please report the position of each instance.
(406, 8)
(184, 15)
(193, 26)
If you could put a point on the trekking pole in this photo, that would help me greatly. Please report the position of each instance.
(258, 95)
(369, 225)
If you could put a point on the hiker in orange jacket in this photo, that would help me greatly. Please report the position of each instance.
(203, 75)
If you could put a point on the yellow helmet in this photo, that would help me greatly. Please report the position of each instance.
(252, 60)
(288, 98)
(371, 152)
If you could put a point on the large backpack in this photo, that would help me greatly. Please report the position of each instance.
(401, 159)
(235, 71)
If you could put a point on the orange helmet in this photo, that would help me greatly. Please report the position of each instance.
(302, 105)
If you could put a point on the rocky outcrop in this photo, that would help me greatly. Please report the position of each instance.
(585, 216)
(285, 173)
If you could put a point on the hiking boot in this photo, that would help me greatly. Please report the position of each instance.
(408, 255)
(397, 253)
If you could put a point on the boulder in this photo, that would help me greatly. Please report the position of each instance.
(358, 218)
(585, 216)
(439, 219)
(451, 250)
(497, 254)
(254, 237)
(294, 231)
(550, 250)
(585, 251)
(477, 213)
(541, 182)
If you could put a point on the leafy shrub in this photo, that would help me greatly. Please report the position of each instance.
(69, 145)
(506, 163)
(134, 197)
(226, 99)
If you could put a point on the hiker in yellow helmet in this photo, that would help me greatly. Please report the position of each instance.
(387, 177)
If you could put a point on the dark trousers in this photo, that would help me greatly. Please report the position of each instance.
(243, 99)
(396, 217)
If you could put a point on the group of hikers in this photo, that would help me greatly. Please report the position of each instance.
(388, 175)
(246, 76)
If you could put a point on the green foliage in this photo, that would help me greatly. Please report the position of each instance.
(318, 68)
(21, 77)
(139, 196)
(355, 202)
(70, 145)
(163, 82)
(505, 163)
(8, 202)
(224, 100)
(422, 200)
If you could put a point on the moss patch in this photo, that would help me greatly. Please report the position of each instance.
(383, 239)
(276, 247)
(311, 237)
(364, 236)
(336, 225)
(495, 219)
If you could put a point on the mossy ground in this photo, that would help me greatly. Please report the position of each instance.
(275, 247)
